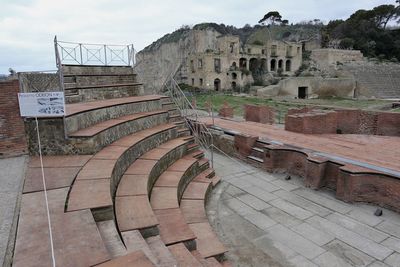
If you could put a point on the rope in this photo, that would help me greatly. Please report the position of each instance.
(45, 196)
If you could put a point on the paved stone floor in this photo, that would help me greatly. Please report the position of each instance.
(12, 171)
(267, 221)
(381, 151)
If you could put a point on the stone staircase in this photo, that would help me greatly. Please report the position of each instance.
(381, 80)
(136, 198)
(83, 83)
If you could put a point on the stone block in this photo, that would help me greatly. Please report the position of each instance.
(261, 114)
(226, 111)
(244, 144)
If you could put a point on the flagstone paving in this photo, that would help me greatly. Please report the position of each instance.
(265, 220)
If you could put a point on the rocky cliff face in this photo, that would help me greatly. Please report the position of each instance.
(163, 58)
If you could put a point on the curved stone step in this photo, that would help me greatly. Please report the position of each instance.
(97, 182)
(209, 262)
(133, 210)
(97, 136)
(161, 252)
(183, 256)
(133, 259)
(174, 229)
(83, 115)
(76, 231)
(192, 206)
(207, 242)
(171, 183)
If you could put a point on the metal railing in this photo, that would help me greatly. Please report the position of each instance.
(93, 54)
(200, 131)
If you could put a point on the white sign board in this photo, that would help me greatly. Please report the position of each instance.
(43, 104)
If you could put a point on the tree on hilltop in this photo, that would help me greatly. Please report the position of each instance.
(272, 17)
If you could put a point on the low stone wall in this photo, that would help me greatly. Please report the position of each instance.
(312, 122)
(327, 57)
(261, 114)
(12, 130)
(345, 121)
(351, 183)
(316, 87)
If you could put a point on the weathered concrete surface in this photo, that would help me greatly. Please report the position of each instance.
(12, 172)
(265, 220)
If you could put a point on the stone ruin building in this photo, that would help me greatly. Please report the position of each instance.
(233, 65)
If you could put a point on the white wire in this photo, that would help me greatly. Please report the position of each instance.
(45, 195)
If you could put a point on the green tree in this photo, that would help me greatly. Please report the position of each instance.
(272, 17)
(384, 13)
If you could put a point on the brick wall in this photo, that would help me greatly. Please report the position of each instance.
(12, 131)
(313, 122)
(388, 124)
(347, 121)
(261, 114)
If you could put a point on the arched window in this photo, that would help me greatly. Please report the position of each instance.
(288, 66)
(273, 65)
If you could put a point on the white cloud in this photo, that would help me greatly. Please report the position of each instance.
(27, 27)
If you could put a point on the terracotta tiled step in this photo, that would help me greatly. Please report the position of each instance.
(73, 109)
(55, 178)
(111, 238)
(134, 241)
(208, 243)
(134, 212)
(161, 252)
(92, 185)
(133, 259)
(76, 231)
(193, 210)
(102, 126)
(183, 256)
(105, 85)
(208, 176)
(209, 262)
(196, 190)
(164, 198)
(60, 161)
(171, 182)
(173, 227)
(132, 206)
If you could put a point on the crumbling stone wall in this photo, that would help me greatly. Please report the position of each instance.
(12, 130)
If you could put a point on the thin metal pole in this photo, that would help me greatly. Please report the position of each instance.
(80, 50)
(105, 55)
(45, 195)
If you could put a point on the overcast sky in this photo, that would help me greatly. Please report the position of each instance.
(27, 27)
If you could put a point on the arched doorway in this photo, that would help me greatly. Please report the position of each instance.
(273, 65)
(253, 64)
(280, 64)
(288, 65)
(217, 84)
(234, 86)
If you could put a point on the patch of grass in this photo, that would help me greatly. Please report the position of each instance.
(282, 106)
